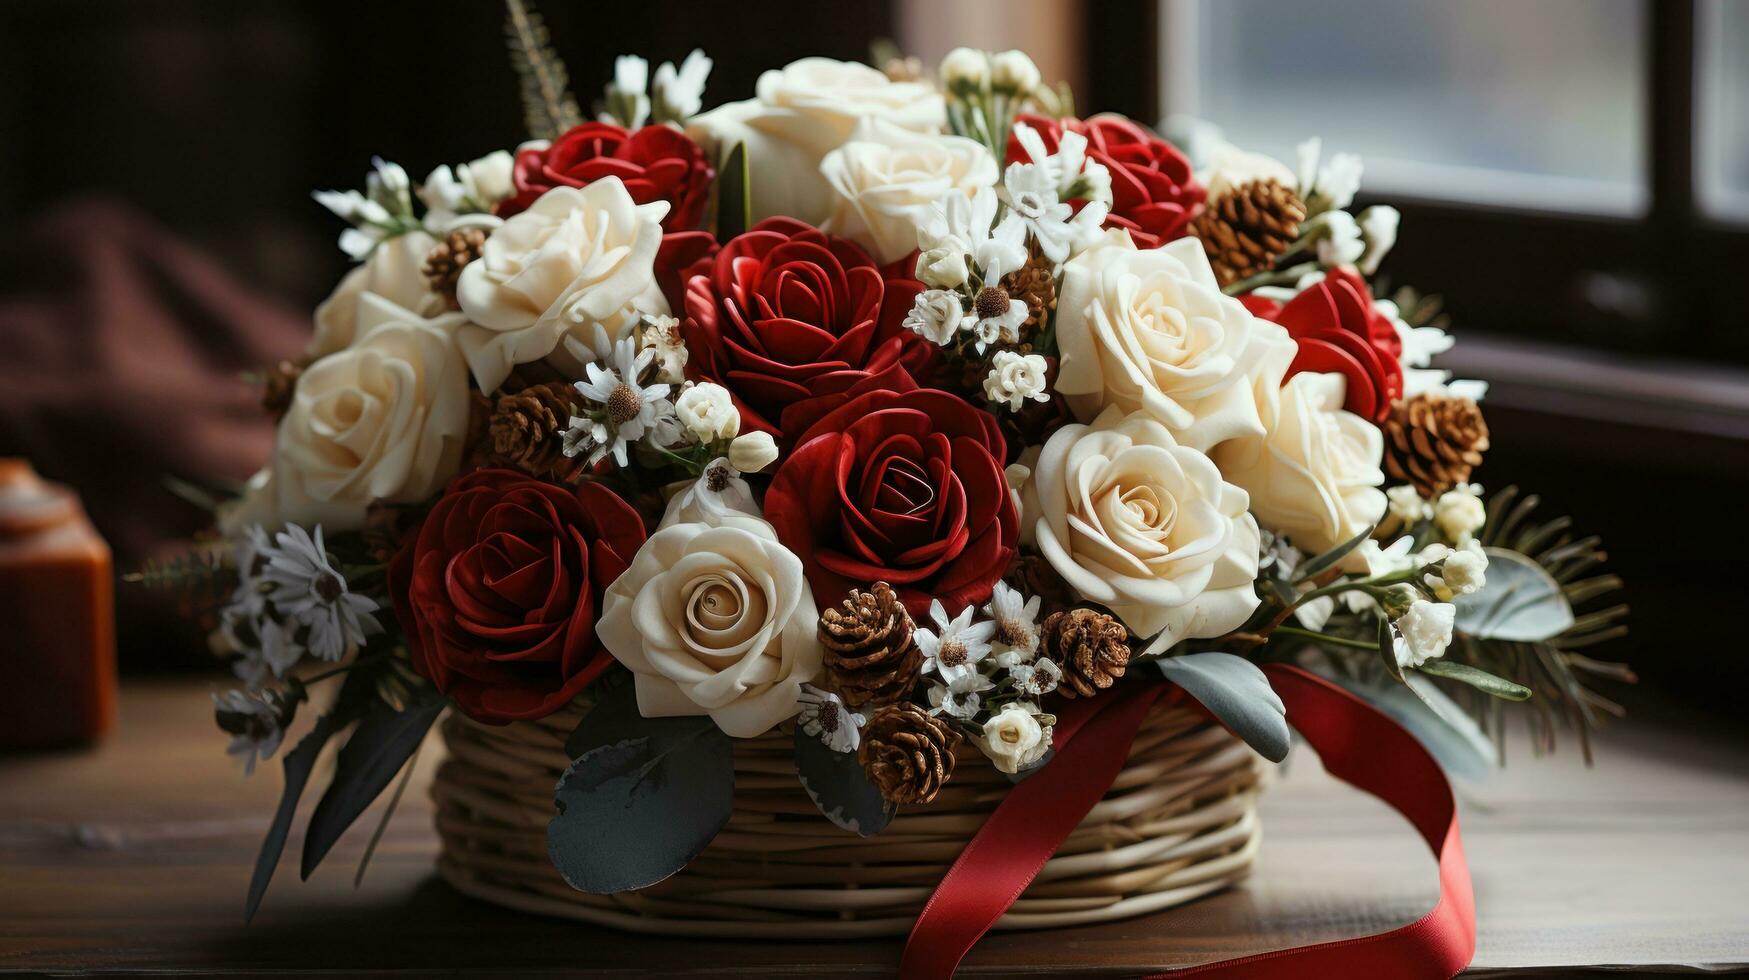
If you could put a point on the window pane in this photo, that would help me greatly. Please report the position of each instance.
(1496, 101)
(1723, 46)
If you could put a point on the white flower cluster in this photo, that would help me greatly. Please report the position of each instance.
(290, 602)
(382, 211)
(674, 96)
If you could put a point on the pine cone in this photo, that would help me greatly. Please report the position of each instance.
(1092, 648)
(870, 657)
(445, 261)
(1036, 286)
(1434, 441)
(1245, 229)
(280, 385)
(907, 753)
(526, 427)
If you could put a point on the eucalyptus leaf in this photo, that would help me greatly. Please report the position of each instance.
(1312, 567)
(837, 784)
(386, 737)
(615, 717)
(635, 810)
(734, 195)
(1239, 696)
(1520, 602)
(1435, 720)
(1477, 678)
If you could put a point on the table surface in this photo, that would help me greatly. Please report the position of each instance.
(135, 857)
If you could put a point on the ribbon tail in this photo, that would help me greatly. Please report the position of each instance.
(1357, 744)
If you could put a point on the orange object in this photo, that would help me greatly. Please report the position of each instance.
(57, 615)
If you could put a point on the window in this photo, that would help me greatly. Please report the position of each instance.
(1722, 81)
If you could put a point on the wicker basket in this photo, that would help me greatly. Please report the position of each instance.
(1179, 822)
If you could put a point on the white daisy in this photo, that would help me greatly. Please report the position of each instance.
(629, 409)
(254, 550)
(267, 649)
(959, 698)
(1032, 197)
(964, 226)
(256, 724)
(310, 592)
(1074, 176)
(1037, 678)
(953, 650)
(824, 716)
(995, 318)
(1016, 620)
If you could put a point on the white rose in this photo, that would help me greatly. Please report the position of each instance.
(1425, 632)
(1013, 738)
(1314, 476)
(575, 258)
(395, 272)
(888, 179)
(714, 621)
(385, 419)
(752, 452)
(707, 412)
(1013, 71)
(1150, 331)
(1459, 513)
(1014, 378)
(800, 114)
(1134, 520)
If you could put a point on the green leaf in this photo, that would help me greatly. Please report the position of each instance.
(837, 784)
(1477, 678)
(1237, 694)
(381, 744)
(1312, 567)
(642, 799)
(1520, 602)
(1434, 719)
(734, 195)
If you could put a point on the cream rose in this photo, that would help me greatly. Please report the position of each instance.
(715, 620)
(800, 114)
(1314, 476)
(888, 178)
(577, 257)
(1134, 520)
(395, 271)
(1150, 331)
(384, 419)
(1013, 738)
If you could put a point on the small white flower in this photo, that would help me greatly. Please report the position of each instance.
(1013, 72)
(1334, 183)
(824, 716)
(254, 722)
(677, 95)
(1339, 241)
(995, 319)
(1459, 512)
(964, 70)
(1277, 555)
(627, 102)
(1465, 570)
(629, 408)
(1407, 505)
(960, 697)
(309, 591)
(1424, 632)
(962, 232)
(1031, 192)
(1013, 737)
(265, 646)
(935, 315)
(1074, 176)
(661, 333)
(953, 650)
(470, 187)
(1378, 225)
(1016, 377)
(707, 412)
(1036, 679)
(752, 452)
(1015, 617)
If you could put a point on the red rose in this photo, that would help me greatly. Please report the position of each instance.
(497, 591)
(1340, 331)
(656, 163)
(786, 313)
(899, 487)
(1153, 193)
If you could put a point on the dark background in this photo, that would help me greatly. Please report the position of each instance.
(127, 128)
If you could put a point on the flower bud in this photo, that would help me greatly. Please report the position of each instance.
(1013, 72)
(1459, 513)
(752, 452)
(965, 70)
(707, 412)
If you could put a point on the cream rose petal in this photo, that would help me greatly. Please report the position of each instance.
(887, 179)
(394, 271)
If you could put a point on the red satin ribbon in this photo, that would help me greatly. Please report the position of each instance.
(1357, 744)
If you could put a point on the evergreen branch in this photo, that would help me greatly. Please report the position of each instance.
(547, 104)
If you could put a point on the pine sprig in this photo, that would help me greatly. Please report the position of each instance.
(194, 576)
(1554, 669)
(548, 106)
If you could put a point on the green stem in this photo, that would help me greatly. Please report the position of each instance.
(1341, 641)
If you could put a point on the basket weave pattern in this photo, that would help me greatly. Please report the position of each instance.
(1179, 822)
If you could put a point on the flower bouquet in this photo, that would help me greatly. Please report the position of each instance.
(780, 497)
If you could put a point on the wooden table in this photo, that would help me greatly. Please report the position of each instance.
(135, 857)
